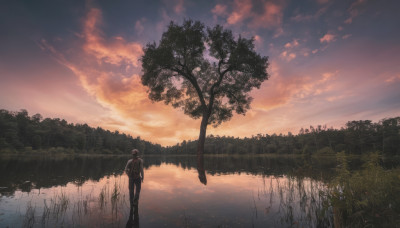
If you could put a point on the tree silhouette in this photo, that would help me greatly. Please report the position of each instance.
(205, 71)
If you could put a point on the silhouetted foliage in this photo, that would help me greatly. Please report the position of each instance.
(206, 72)
(19, 132)
(366, 197)
(358, 137)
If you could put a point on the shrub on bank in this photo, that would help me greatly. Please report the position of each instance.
(366, 198)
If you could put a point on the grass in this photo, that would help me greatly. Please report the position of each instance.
(295, 200)
(63, 211)
(365, 198)
(103, 197)
(46, 213)
(59, 205)
(29, 219)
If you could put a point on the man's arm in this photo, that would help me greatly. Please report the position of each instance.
(141, 169)
(127, 167)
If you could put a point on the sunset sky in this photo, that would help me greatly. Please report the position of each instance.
(330, 62)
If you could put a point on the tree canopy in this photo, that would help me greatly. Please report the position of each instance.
(206, 72)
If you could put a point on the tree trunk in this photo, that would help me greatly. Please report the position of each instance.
(202, 136)
(200, 150)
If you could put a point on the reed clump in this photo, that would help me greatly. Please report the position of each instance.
(29, 219)
(365, 198)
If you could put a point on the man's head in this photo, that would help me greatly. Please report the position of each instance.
(135, 152)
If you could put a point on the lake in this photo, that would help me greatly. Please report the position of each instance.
(92, 191)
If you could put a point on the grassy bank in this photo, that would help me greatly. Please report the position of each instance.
(367, 197)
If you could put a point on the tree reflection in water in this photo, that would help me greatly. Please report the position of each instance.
(200, 169)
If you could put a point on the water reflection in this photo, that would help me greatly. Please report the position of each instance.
(201, 170)
(240, 192)
(133, 221)
(25, 174)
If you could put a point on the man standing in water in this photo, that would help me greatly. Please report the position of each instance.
(134, 169)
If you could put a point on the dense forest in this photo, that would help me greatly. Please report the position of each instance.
(357, 137)
(20, 132)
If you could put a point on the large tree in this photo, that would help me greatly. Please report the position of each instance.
(205, 71)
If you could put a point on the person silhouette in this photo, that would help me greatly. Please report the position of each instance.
(134, 170)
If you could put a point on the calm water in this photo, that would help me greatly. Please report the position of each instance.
(93, 192)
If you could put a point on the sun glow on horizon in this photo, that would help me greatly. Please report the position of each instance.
(82, 64)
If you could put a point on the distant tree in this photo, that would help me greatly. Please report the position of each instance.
(206, 72)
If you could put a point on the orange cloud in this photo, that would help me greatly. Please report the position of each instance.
(284, 87)
(106, 70)
(114, 51)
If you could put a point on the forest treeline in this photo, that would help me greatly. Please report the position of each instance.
(20, 132)
(357, 137)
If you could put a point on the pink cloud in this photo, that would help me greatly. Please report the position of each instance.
(288, 56)
(139, 27)
(354, 10)
(346, 36)
(271, 17)
(241, 11)
(301, 17)
(392, 79)
(327, 38)
(309, 17)
(259, 41)
(286, 86)
(179, 8)
(292, 44)
(219, 10)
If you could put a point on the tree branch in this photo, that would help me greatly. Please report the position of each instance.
(216, 84)
(192, 80)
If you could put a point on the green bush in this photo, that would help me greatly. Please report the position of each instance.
(366, 198)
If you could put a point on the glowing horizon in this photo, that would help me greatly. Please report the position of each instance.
(331, 62)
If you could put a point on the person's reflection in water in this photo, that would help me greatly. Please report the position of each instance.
(133, 221)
